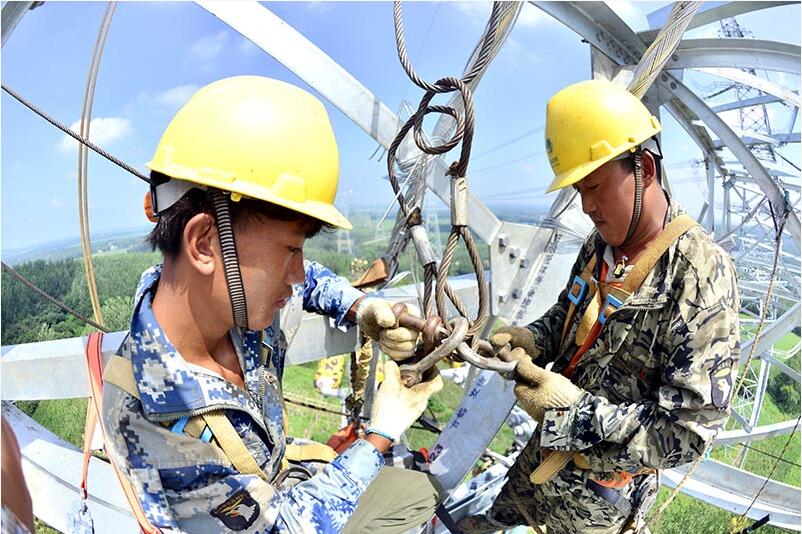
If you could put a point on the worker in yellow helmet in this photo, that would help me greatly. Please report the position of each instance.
(643, 342)
(244, 173)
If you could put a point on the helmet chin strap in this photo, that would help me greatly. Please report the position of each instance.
(228, 247)
(636, 209)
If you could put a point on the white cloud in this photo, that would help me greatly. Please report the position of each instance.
(172, 98)
(209, 47)
(530, 16)
(55, 203)
(247, 48)
(318, 8)
(477, 12)
(102, 130)
(629, 13)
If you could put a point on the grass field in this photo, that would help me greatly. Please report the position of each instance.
(685, 515)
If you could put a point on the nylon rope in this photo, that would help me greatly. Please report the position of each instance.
(114, 159)
(742, 377)
(83, 161)
(51, 299)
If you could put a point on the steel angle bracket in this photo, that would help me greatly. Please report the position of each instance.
(482, 411)
(513, 254)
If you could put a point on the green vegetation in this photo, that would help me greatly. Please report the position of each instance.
(27, 318)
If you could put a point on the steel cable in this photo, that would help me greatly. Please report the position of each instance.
(51, 299)
(114, 159)
(435, 277)
(663, 46)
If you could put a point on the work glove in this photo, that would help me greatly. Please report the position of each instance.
(376, 319)
(517, 337)
(539, 390)
(396, 407)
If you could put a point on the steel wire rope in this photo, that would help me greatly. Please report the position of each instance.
(83, 161)
(58, 124)
(463, 134)
(51, 299)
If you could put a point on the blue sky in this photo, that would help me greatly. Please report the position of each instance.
(157, 54)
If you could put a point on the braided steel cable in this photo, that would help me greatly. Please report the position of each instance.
(83, 161)
(114, 159)
(53, 300)
(435, 277)
(659, 52)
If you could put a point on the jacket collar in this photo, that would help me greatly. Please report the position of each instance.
(169, 387)
(653, 292)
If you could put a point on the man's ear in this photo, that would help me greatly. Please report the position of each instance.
(649, 168)
(200, 243)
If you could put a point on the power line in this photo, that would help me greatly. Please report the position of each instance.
(524, 135)
(51, 299)
(120, 163)
(507, 163)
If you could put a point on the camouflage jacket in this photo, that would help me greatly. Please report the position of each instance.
(657, 381)
(187, 484)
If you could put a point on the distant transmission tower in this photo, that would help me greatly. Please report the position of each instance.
(754, 118)
(344, 241)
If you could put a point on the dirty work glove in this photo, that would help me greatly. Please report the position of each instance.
(376, 319)
(516, 336)
(539, 390)
(396, 407)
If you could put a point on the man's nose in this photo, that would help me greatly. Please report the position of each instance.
(296, 273)
(587, 204)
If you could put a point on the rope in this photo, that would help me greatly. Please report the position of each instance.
(52, 299)
(739, 384)
(323, 409)
(435, 277)
(659, 52)
(773, 469)
(83, 161)
(120, 163)
(770, 455)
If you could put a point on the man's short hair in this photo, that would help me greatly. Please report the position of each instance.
(628, 164)
(169, 230)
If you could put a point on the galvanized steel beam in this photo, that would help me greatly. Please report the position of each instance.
(736, 53)
(11, 15)
(708, 13)
(749, 102)
(739, 76)
(270, 33)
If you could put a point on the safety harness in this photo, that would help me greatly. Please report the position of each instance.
(604, 299)
(211, 427)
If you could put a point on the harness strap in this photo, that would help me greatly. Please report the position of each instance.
(576, 295)
(120, 373)
(555, 461)
(94, 362)
(309, 451)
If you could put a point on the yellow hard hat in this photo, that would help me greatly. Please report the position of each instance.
(256, 137)
(590, 123)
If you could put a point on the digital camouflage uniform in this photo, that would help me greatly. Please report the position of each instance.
(657, 383)
(187, 484)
